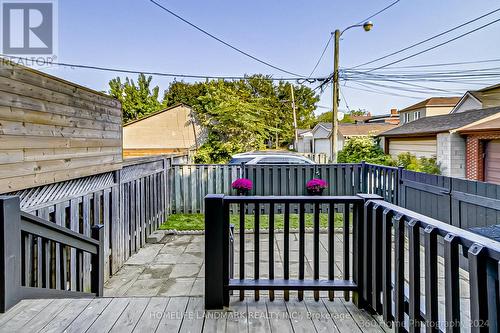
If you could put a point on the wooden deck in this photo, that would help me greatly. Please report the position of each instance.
(186, 314)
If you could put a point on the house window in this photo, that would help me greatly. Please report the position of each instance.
(407, 117)
(416, 115)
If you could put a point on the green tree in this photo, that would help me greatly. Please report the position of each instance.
(365, 149)
(138, 99)
(235, 121)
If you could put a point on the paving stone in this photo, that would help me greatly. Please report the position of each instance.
(145, 255)
(156, 272)
(166, 258)
(185, 271)
(148, 287)
(191, 258)
(176, 287)
(173, 249)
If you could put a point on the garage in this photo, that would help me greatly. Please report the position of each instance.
(420, 147)
(492, 162)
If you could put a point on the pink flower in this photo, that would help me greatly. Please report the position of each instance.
(242, 184)
(316, 185)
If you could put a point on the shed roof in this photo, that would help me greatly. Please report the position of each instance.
(362, 129)
(149, 115)
(439, 124)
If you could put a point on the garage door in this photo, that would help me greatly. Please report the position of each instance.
(492, 162)
(421, 147)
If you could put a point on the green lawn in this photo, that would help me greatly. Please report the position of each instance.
(196, 221)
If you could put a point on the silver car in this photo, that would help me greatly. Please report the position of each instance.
(269, 157)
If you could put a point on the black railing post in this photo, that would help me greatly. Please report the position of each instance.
(358, 241)
(364, 178)
(397, 184)
(10, 252)
(216, 253)
(97, 261)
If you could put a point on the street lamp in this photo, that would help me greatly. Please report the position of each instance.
(367, 26)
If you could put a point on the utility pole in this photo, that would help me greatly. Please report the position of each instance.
(335, 96)
(294, 119)
(367, 26)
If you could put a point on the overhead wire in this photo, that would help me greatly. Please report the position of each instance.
(427, 39)
(436, 46)
(161, 74)
(222, 41)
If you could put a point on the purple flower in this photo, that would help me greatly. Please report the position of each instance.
(316, 185)
(242, 184)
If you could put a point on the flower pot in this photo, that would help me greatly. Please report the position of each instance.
(242, 192)
(313, 191)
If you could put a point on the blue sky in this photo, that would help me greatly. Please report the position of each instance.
(137, 35)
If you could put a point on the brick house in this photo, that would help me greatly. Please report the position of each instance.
(446, 138)
(483, 149)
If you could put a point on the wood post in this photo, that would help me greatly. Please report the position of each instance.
(216, 253)
(10, 252)
(97, 278)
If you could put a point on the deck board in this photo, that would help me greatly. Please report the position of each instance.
(186, 314)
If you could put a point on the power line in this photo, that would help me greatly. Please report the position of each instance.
(438, 64)
(380, 92)
(163, 74)
(428, 39)
(322, 54)
(379, 12)
(223, 42)
(436, 46)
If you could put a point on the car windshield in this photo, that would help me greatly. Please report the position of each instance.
(282, 160)
(239, 160)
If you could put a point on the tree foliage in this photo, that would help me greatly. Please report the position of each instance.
(240, 115)
(137, 99)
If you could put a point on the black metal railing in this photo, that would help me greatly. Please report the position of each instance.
(435, 251)
(40, 259)
(217, 216)
(400, 265)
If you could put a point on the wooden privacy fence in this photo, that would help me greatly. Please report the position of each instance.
(130, 203)
(460, 202)
(189, 184)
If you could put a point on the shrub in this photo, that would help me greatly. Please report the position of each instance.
(423, 164)
(365, 149)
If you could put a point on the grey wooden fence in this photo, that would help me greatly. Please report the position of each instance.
(189, 184)
(460, 202)
(130, 203)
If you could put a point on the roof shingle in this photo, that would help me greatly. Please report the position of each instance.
(439, 124)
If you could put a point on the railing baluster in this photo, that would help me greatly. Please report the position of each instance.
(357, 263)
(431, 279)
(367, 267)
(242, 247)
(256, 247)
(452, 283)
(271, 248)
(316, 247)
(346, 266)
(478, 289)
(331, 246)
(386, 267)
(376, 254)
(302, 232)
(286, 248)
(414, 275)
(399, 262)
